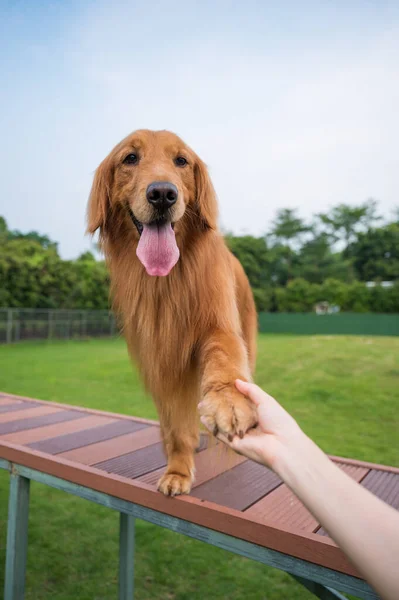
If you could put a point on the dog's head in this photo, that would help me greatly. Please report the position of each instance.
(153, 180)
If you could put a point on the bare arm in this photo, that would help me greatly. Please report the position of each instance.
(364, 527)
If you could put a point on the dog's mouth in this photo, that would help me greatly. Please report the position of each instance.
(160, 220)
(157, 249)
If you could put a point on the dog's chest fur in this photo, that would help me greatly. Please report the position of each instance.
(165, 318)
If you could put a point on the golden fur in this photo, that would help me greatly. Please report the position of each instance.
(193, 332)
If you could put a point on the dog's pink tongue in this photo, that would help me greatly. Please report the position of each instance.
(157, 249)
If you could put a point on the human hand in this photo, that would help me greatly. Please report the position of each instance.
(275, 431)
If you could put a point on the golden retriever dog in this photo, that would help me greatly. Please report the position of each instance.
(185, 304)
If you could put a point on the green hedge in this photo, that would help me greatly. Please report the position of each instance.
(338, 324)
(300, 296)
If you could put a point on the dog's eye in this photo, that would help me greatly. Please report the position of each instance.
(180, 161)
(131, 159)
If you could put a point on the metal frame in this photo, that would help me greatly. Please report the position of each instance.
(17, 537)
(126, 556)
(321, 581)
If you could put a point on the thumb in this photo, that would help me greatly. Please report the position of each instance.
(250, 390)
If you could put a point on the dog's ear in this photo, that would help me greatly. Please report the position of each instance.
(99, 200)
(205, 201)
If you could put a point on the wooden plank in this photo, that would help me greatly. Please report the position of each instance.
(204, 442)
(208, 464)
(292, 565)
(102, 451)
(6, 395)
(239, 487)
(35, 411)
(49, 431)
(309, 547)
(365, 464)
(357, 473)
(55, 416)
(82, 409)
(136, 463)
(70, 441)
(4, 401)
(213, 462)
(16, 406)
(282, 507)
(383, 485)
(17, 538)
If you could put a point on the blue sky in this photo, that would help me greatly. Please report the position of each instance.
(291, 104)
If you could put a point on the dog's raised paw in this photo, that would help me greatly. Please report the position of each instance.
(174, 484)
(228, 412)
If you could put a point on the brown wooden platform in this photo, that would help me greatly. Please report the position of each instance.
(122, 456)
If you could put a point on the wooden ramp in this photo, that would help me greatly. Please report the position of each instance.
(122, 457)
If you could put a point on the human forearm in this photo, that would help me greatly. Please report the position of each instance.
(362, 525)
(365, 528)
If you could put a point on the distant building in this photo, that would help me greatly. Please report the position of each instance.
(384, 284)
(325, 308)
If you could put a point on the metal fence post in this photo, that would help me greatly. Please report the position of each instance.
(17, 332)
(84, 323)
(49, 324)
(67, 326)
(9, 326)
(112, 328)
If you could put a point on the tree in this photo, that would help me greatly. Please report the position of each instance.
(33, 275)
(43, 240)
(298, 296)
(88, 256)
(316, 261)
(287, 228)
(291, 274)
(253, 255)
(3, 230)
(285, 238)
(283, 264)
(375, 254)
(344, 222)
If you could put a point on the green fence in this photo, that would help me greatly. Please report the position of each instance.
(19, 324)
(36, 324)
(337, 324)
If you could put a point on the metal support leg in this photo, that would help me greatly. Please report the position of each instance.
(319, 590)
(17, 538)
(126, 557)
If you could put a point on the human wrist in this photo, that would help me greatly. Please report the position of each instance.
(296, 452)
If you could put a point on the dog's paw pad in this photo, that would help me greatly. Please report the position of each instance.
(228, 412)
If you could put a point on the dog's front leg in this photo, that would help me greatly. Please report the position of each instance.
(180, 433)
(223, 359)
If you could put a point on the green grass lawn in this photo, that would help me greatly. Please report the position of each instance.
(342, 390)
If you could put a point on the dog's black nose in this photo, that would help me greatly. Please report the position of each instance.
(162, 194)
